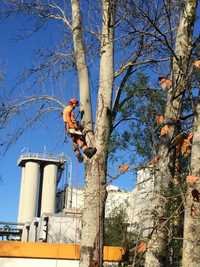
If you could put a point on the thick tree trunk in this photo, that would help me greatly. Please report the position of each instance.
(156, 253)
(85, 102)
(96, 168)
(191, 242)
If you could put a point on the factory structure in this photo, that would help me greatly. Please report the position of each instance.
(50, 211)
(40, 176)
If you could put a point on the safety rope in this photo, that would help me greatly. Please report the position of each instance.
(99, 217)
(59, 245)
(76, 209)
(60, 229)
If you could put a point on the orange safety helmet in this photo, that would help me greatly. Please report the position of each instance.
(73, 101)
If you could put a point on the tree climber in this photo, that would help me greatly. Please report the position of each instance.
(76, 131)
(165, 83)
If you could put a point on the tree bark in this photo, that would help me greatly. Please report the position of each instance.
(191, 241)
(80, 58)
(96, 168)
(156, 253)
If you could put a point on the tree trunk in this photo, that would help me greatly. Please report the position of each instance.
(191, 242)
(96, 168)
(85, 101)
(156, 253)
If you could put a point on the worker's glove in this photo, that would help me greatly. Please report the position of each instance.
(74, 131)
(76, 128)
(79, 126)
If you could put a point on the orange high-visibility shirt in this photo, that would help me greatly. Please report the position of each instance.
(68, 117)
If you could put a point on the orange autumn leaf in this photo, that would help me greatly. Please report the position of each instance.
(123, 168)
(190, 136)
(196, 63)
(178, 139)
(191, 179)
(165, 130)
(186, 145)
(185, 148)
(165, 83)
(159, 119)
(141, 247)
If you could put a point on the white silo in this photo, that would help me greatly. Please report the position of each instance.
(29, 191)
(21, 196)
(40, 174)
(50, 175)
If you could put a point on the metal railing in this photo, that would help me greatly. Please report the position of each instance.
(48, 156)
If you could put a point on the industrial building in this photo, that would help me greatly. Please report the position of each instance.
(50, 210)
(40, 175)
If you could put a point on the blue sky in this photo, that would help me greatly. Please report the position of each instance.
(47, 135)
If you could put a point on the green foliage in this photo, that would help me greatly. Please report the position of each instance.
(116, 227)
(137, 112)
(118, 233)
(175, 219)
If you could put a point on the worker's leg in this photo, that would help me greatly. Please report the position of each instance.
(80, 140)
(88, 151)
(77, 150)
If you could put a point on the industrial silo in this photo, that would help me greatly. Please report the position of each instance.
(39, 178)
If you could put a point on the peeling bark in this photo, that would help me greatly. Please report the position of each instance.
(156, 253)
(191, 242)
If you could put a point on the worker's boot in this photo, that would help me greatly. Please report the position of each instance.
(90, 151)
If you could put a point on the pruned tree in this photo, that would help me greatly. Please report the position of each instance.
(146, 35)
(181, 64)
(95, 169)
(191, 247)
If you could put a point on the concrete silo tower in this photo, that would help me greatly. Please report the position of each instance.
(39, 178)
